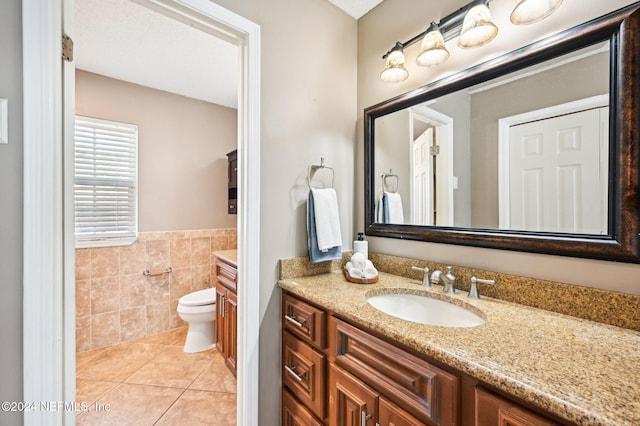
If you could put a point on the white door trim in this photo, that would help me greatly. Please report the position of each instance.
(43, 263)
(503, 143)
(49, 341)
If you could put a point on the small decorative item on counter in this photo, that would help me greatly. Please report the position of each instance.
(360, 270)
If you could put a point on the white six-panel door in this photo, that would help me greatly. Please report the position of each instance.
(556, 181)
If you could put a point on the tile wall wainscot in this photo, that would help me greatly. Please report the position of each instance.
(115, 302)
(607, 307)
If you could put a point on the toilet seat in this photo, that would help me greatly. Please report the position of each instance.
(199, 298)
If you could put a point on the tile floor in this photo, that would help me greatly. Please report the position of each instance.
(151, 381)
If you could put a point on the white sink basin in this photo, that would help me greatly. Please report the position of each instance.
(425, 310)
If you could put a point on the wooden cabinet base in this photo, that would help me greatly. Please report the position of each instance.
(227, 313)
(373, 381)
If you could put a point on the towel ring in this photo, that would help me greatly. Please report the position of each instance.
(311, 171)
(385, 184)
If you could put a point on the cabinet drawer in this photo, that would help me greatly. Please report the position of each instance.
(227, 275)
(304, 373)
(296, 414)
(424, 390)
(494, 410)
(305, 321)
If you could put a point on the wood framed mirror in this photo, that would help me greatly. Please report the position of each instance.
(448, 153)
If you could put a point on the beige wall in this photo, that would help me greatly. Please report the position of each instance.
(182, 147)
(399, 20)
(11, 187)
(308, 111)
(394, 152)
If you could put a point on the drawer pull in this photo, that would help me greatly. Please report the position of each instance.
(293, 374)
(365, 417)
(222, 308)
(294, 321)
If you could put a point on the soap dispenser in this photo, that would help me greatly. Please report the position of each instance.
(361, 246)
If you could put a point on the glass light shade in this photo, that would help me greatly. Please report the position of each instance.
(530, 11)
(432, 50)
(478, 28)
(394, 70)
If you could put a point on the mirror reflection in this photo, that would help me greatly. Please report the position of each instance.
(528, 151)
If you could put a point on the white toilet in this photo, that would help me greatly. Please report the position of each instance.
(198, 309)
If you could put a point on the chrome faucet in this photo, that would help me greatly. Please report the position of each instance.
(425, 279)
(448, 280)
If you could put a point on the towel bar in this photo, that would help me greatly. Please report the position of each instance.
(314, 168)
(146, 273)
(385, 184)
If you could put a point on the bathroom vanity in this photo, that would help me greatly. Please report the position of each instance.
(227, 306)
(345, 362)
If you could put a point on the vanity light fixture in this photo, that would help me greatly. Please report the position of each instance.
(530, 11)
(471, 22)
(394, 70)
(432, 49)
(477, 29)
(473, 26)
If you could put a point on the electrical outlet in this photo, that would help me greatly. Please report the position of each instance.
(4, 120)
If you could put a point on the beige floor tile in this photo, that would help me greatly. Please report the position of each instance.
(130, 405)
(173, 367)
(90, 391)
(216, 377)
(116, 363)
(156, 370)
(202, 408)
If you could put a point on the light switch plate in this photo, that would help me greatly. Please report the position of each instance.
(4, 120)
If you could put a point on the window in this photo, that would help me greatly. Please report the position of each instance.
(106, 182)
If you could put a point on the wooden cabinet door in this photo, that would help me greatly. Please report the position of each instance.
(424, 390)
(231, 318)
(492, 410)
(392, 415)
(296, 414)
(221, 295)
(351, 402)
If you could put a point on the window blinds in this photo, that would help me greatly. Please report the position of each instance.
(106, 180)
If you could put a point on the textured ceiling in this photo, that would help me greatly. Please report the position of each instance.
(126, 41)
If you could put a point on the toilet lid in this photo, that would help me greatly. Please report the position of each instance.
(199, 298)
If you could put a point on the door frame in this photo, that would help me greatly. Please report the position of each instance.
(504, 184)
(48, 241)
(444, 124)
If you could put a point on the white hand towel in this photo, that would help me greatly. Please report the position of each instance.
(396, 215)
(369, 270)
(353, 271)
(359, 261)
(327, 218)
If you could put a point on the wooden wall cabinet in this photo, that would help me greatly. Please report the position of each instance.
(338, 374)
(227, 313)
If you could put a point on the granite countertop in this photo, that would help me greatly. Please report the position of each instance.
(582, 371)
(228, 256)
